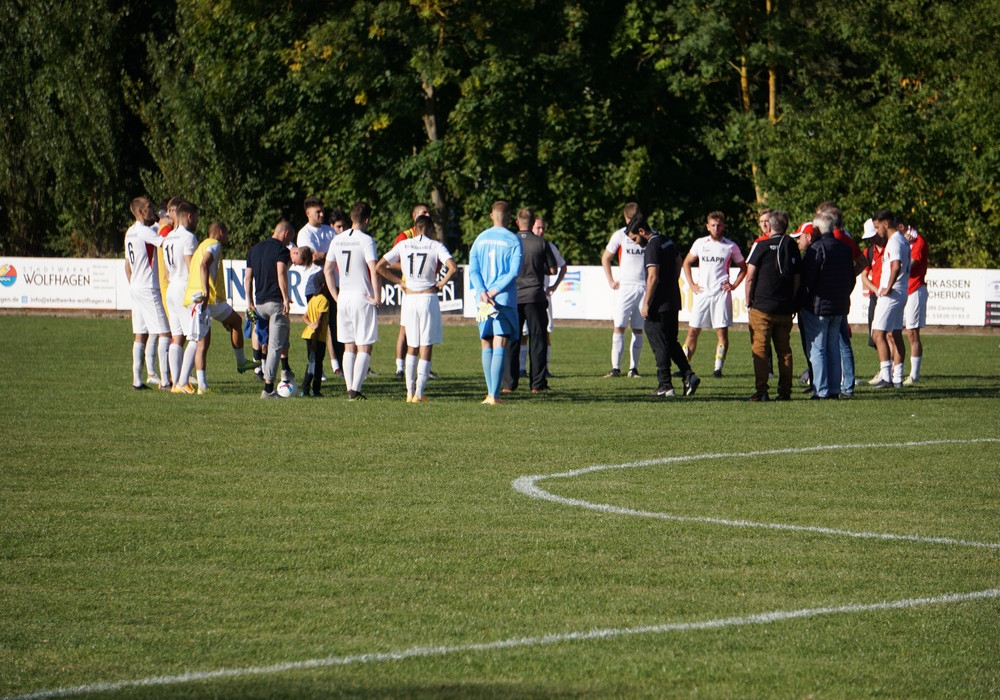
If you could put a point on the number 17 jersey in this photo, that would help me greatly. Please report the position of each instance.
(420, 259)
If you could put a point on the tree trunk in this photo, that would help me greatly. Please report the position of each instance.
(438, 203)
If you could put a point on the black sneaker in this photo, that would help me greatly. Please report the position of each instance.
(634, 373)
(613, 373)
(431, 375)
(755, 398)
(717, 374)
(691, 384)
(664, 392)
(139, 387)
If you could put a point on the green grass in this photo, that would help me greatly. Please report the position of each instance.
(146, 534)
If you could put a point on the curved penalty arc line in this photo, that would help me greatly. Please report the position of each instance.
(528, 485)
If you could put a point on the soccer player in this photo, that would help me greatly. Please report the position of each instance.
(266, 284)
(915, 312)
(148, 315)
(315, 233)
(630, 285)
(420, 257)
(178, 249)
(713, 298)
(494, 263)
(352, 257)
(401, 352)
(205, 299)
(661, 303)
(887, 326)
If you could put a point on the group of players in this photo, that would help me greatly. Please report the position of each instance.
(173, 280)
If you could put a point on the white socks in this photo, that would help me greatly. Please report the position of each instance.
(617, 348)
(410, 371)
(138, 349)
(635, 350)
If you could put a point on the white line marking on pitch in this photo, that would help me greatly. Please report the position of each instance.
(513, 643)
(528, 485)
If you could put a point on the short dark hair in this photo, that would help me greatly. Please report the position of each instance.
(716, 216)
(423, 226)
(312, 202)
(636, 223)
(884, 215)
(336, 214)
(360, 212)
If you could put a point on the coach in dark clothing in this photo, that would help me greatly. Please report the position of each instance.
(827, 282)
(772, 286)
(661, 304)
(537, 260)
(266, 284)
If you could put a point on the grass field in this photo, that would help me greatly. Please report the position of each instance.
(156, 545)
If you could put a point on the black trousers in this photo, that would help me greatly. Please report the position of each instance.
(536, 316)
(661, 329)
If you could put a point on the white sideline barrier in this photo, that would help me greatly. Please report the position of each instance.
(962, 297)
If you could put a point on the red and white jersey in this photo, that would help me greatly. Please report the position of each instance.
(630, 258)
(918, 263)
(353, 250)
(420, 259)
(714, 260)
(897, 249)
(179, 243)
(141, 243)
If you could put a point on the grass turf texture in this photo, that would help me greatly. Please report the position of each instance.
(145, 534)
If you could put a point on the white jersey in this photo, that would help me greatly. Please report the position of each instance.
(420, 259)
(352, 250)
(630, 258)
(141, 243)
(714, 260)
(316, 237)
(178, 244)
(897, 248)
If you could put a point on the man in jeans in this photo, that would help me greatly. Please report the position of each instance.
(827, 281)
(772, 284)
(266, 284)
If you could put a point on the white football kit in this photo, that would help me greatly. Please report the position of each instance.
(420, 258)
(889, 309)
(631, 280)
(713, 307)
(357, 317)
(148, 314)
(178, 244)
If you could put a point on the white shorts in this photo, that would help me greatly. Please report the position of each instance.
(148, 315)
(357, 320)
(628, 300)
(889, 313)
(180, 316)
(220, 311)
(712, 310)
(915, 311)
(200, 321)
(421, 317)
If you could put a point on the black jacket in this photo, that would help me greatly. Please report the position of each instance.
(827, 277)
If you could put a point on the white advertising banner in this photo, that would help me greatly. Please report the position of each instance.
(955, 297)
(59, 283)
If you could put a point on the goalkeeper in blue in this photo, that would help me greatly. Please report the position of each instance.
(494, 263)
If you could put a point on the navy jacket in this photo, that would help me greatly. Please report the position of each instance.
(827, 277)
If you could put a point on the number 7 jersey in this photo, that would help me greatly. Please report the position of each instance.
(420, 259)
(353, 250)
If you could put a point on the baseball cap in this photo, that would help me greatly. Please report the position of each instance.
(807, 227)
(869, 230)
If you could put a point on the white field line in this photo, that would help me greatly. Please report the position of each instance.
(528, 485)
(513, 643)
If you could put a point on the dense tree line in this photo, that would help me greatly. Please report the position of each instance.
(571, 106)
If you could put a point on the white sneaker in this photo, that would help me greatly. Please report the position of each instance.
(910, 381)
(876, 379)
(152, 379)
(269, 395)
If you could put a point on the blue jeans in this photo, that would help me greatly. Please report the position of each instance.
(822, 334)
(846, 358)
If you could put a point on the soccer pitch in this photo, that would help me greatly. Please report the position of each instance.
(594, 541)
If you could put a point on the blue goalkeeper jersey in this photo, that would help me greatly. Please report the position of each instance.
(494, 263)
